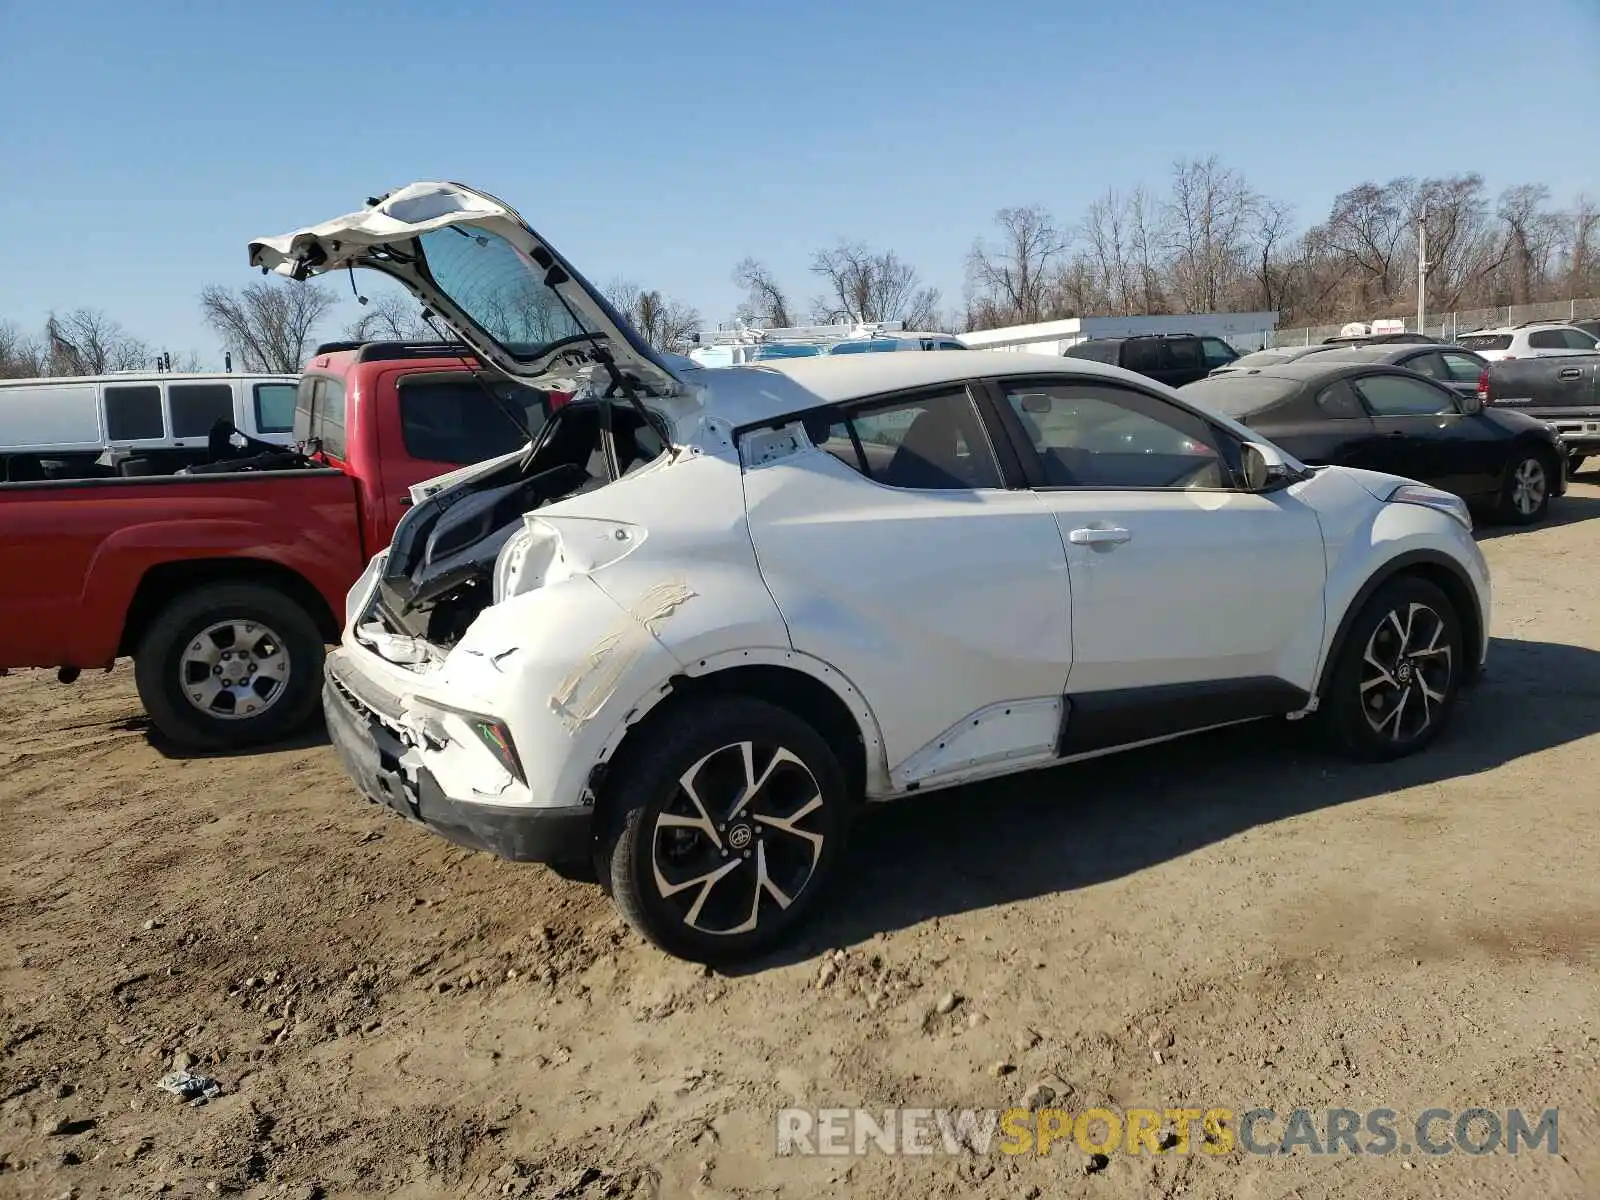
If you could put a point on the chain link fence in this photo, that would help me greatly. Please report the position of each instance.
(1449, 325)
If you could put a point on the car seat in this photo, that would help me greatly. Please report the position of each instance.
(929, 454)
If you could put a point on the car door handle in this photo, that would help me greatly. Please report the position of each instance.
(1571, 373)
(1098, 537)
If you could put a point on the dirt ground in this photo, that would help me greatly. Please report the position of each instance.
(1232, 921)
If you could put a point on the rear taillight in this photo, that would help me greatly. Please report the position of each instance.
(1483, 388)
(557, 399)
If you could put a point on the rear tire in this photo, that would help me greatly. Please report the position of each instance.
(1525, 497)
(218, 621)
(1398, 673)
(703, 866)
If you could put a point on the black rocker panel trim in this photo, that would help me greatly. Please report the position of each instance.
(1101, 720)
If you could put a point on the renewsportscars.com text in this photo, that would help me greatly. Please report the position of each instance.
(1016, 1131)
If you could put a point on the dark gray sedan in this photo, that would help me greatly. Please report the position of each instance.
(1459, 370)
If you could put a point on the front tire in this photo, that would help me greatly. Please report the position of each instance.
(230, 665)
(1525, 498)
(1398, 674)
(728, 823)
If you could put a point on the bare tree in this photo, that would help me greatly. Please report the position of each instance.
(1370, 227)
(21, 356)
(1208, 220)
(86, 341)
(662, 321)
(1581, 254)
(269, 325)
(391, 318)
(869, 285)
(1011, 281)
(765, 303)
(1532, 238)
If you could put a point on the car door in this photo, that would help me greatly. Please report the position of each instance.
(899, 555)
(1424, 435)
(1193, 602)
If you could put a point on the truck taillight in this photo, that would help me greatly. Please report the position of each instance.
(1483, 388)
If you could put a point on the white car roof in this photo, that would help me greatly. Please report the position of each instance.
(761, 391)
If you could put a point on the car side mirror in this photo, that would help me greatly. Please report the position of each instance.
(1266, 468)
(1470, 404)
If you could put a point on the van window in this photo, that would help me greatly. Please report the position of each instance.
(453, 421)
(1141, 354)
(1184, 354)
(196, 407)
(133, 412)
(274, 405)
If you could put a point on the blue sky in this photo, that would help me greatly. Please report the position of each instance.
(665, 142)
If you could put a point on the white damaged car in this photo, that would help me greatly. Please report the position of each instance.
(686, 633)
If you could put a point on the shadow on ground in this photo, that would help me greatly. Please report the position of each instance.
(1076, 826)
(1564, 510)
(314, 734)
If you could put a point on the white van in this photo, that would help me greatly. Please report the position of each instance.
(60, 427)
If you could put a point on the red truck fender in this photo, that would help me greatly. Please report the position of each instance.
(190, 552)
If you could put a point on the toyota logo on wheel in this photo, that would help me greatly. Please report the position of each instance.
(739, 836)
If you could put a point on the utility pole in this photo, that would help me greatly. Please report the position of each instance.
(1422, 268)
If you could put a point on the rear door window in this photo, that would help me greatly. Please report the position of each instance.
(196, 407)
(1463, 368)
(1141, 354)
(1338, 402)
(1429, 364)
(454, 421)
(1397, 396)
(274, 407)
(133, 413)
(1183, 354)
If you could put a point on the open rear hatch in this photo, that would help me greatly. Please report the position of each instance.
(525, 311)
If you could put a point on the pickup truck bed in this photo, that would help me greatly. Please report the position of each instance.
(1564, 390)
(219, 583)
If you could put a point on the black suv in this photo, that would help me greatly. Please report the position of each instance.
(1173, 358)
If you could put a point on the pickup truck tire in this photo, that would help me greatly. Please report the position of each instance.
(719, 868)
(1525, 496)
(280, 670)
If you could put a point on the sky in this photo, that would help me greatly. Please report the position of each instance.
(144, 144)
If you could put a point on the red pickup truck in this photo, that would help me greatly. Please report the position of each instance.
(225, 586)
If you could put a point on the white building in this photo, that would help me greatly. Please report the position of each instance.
(1244, 331)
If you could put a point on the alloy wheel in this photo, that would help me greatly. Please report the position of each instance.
(234, 670)
(1406, 672)
(739, 837)
(1528, 486)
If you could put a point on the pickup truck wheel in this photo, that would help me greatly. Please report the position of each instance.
(727, 825)
(230, 665)
(1525, 499)
(1398, 674)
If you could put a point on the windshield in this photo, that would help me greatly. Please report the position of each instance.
(1237, 395)
(499, 289)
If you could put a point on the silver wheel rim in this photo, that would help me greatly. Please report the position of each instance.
(1528, 486)
(739, 839)
(234, 670)
(1406, 672)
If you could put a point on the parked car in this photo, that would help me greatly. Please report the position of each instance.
(1533, 339)
(1459, 370)
(1564, 392)
(78, 427)
(1380, 417)
(1173, 358)
(811, 582)
(1272, 356)
(224, 585)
